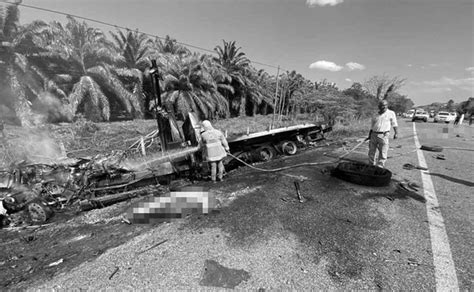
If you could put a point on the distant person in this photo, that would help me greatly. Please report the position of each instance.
(461, 119)
(379, 134)
(456, 120)
(215, 149)
(471, 118)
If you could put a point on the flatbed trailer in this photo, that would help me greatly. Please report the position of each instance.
(265, 145)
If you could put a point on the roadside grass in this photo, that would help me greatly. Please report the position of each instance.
(350, 128)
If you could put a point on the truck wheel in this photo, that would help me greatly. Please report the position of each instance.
(363, 174)
(38, 212)
(266, 153)
(289, 147)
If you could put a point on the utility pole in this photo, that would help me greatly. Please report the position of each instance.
(160, 120)
(276, 98)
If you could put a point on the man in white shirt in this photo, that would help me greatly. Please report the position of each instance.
(379, 133)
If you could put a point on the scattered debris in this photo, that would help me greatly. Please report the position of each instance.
(433, 148)
(410, 166)
(297, 186)
(411, 190)
(125, 220)
(152, 247)
(55, 263)
(413, 262)
(113, 273)
(440, 157)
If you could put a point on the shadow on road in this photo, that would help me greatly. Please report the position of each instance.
(453, 179)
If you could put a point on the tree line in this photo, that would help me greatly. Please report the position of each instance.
(57, 72)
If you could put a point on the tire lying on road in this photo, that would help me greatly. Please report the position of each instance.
(363, 174)
(433, 148)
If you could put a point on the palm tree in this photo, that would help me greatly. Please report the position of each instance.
(134, 51)
(170, 46)
(188, 86)
(20, 86)
(81, 61)
(234, 63)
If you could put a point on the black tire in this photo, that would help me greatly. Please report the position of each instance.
(432, 148)
(425, 120)
(38, 211)
(289, 148)
(363, 174)
(266, 153)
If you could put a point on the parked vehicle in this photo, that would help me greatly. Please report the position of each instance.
(443, 117)
(410, 114)
(420, 115)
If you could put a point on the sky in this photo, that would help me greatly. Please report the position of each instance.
(430, 43)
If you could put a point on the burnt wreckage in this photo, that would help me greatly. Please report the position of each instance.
(86, 183)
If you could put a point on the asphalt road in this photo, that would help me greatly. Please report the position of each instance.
(343, 236)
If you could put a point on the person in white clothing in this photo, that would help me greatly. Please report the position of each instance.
(379, 134)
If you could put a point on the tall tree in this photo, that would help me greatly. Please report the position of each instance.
(134, 51)
(82, 60)
(19, 87)
(380, 86)
(235, 63)
(169, 45)
(188, 86)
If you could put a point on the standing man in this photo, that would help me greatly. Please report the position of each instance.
(215, 149)
(379, 133)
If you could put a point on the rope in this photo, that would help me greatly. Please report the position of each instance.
(301, 164)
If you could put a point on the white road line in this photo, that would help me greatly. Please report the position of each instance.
(445, 273)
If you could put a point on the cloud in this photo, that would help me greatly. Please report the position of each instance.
(312, 3)
(325, 65)
(470, 69)
(354, 66)
(448, 84)
(348, 80)
(410, 65)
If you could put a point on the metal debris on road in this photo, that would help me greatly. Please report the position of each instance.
(410, 166)
(440, 157)
(55, 263)
(152, 247)
(297, 186)
(113, 273)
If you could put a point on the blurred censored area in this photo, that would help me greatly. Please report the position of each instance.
(178, 204)
(447, 132)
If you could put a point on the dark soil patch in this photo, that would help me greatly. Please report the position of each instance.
(216, 275)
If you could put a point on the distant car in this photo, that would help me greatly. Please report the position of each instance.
(443, 117)
(410, 114)
(420, 115)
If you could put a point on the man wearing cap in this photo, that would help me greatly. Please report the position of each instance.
(379, 133)
(215, 149)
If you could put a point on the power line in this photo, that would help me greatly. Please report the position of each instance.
(126, 28)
